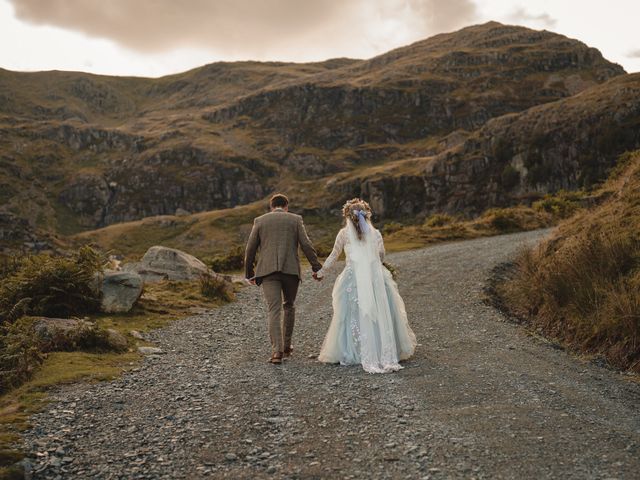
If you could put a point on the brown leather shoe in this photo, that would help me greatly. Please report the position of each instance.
(276, 358)
(287, 353)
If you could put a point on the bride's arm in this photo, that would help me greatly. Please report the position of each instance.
(380, 245)
(335, 253)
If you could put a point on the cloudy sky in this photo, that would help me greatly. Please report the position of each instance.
(157, 37)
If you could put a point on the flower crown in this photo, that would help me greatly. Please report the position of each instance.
(356, 207)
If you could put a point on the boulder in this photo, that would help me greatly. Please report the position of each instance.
(48, 329)
(120, 291)
(163, 263)
(66, 334)
(116, 340)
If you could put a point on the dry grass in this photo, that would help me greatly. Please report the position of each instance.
(582, 287)
(203, 235)
(443, 228)
(215, 288)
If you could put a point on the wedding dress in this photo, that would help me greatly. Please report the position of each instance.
(369, 324)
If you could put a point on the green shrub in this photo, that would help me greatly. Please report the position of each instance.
(503, 219)
(561, 205)
(13, 472)
(20, 353)
(9, 264)
(44, 285)
(86, 336)
(214, 287)
(391, 227)
(510, 177)
(24, 342)
(439, 220)
(232, 260)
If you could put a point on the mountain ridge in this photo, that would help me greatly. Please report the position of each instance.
(82, 151)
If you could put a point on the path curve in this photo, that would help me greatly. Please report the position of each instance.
(480, 399)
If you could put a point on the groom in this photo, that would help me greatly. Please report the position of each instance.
(278, 234)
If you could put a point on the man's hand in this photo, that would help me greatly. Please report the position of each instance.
(316, 277)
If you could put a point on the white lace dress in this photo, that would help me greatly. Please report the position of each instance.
(369, 324)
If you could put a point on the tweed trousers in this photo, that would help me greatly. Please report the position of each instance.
(279, 291)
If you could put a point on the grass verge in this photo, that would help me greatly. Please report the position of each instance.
(159, 304)
(581, 287)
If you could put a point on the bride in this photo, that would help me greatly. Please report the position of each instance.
(369, 324)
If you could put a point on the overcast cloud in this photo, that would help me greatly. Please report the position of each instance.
(157, 37)
(244, 27)
(521, 15)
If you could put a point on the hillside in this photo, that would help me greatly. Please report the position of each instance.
(451, 81)
(80, 152)
(514, 159)
(567, 144)
(98, 98)
(582, 286)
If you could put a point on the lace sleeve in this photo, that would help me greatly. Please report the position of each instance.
(338, 246)
(380, 246)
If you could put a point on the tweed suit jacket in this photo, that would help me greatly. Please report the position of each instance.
(277, 235)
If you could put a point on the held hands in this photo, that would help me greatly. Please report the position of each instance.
(316, 277)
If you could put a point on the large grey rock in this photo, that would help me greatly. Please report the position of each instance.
(47, 329)
(163, 263)
(55, 334)
(120, 291)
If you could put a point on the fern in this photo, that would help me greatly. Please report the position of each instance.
(52, 286)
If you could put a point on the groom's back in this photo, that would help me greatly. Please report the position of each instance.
(278, 228)
(278, 234)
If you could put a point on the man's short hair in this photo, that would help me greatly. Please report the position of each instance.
(279, 201)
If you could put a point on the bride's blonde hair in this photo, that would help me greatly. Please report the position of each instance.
(350, 212)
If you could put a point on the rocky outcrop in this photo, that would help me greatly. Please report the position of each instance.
(515, 158)
(120, 291)
(161, 183)
(16, 234)
(163, 263)
(92, 138)
(99, 96)
(183, 177)
(14, 230)
(308, 164)
(88, 197)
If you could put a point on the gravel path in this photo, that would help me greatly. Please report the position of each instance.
(480, 399)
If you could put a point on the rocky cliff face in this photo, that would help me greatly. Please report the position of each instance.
(17, 234)
(162, 183)
(515, 158)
